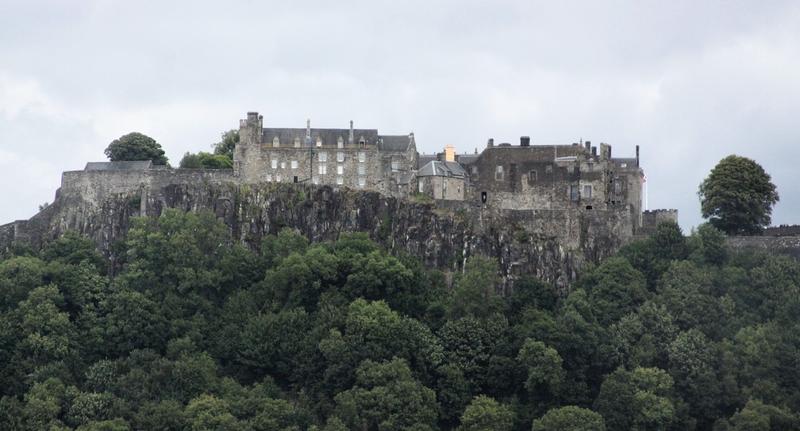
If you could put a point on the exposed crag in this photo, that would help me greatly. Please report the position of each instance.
(552, 245)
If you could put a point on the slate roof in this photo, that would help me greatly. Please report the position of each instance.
(466, 159)
(436, 168)
(132, 165)
(394, 142)
(328, 136)
(424, 159)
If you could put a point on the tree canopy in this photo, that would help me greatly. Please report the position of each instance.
(136, 146)
(184, 328)
(737, 196)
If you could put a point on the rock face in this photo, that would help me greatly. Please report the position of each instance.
(551, 245)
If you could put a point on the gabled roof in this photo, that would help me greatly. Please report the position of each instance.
(127, 165)
(328, 136)
(436, 168)
(424, 159)
(394, 142)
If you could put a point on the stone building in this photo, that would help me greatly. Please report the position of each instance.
(355, 158)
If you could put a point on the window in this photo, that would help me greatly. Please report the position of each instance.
(548, 169)
(278, 178)
(362, 170)
(340, 180)
(532, 175)
(395, 165)
(362, 157)
(315, 179)
(617, 186)
(362, 181)
(587, 192)
(474, 170)
(294, 164)
(340, 157)
(283, 165)
(323, 156)
(319, 141)
(269, 178)
(323, 169)
(274, 163)
(340, 142)
(362, 142)
(340, 170)
(421, 186)
(498, 173)
(573, 193)
(276, 142)
(297, 142)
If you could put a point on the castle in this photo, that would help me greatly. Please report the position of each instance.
(578, 177)
(538, 209)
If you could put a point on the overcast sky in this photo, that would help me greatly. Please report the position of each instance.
(688, 81)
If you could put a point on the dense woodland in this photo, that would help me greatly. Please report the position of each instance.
(188, 330)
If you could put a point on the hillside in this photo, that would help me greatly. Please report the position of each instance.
(195, 331)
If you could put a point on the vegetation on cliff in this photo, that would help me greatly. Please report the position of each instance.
(136, 146)
(737, 196)
(193, 331)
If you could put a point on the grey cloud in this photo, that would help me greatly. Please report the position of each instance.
(690, 82)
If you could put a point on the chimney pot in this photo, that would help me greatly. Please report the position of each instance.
(524, 141)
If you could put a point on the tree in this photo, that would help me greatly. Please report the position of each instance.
(570, 418)
(737, 196)
(387, 397)
(484, 413)
(226, 145)
(136, 146)
(543, 365)
(474, 293)
(637, 400)
(203, 160)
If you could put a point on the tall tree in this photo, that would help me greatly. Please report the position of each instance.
(228, 142)
(737, 196)
(136, 146)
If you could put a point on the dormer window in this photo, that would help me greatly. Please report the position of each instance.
(340, 142)
(276, 142)
(532, 176)
(362, 142)
(297, 142)
(319, 141)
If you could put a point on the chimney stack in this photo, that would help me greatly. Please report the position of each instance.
(524, 141)
(637, 156)
(490, 143)
(308, 128)
(350, 138)
(449, 153)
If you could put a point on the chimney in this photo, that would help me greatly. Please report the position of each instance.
(252, 116)
(588, 146)
(637, 156)
(524, 141)
(490, 143)
(476, 150)
(449, 153)
(308, 128)
(350, 138)
(594, 151)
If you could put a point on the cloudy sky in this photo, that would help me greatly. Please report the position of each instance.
(688, 81)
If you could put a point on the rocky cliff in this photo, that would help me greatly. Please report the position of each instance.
(551, 245)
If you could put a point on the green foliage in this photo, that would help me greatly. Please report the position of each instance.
(485, 413)
(190, 330)
(475, 290)
(227, 144)
(737, 196)
(386, 397)
(136, 146)
(203, 160)
(569, 418)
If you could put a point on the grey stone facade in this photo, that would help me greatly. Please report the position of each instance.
(354, 158)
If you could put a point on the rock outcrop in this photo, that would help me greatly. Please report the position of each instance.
(551, 245)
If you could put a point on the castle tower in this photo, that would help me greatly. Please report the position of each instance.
(248, 150)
